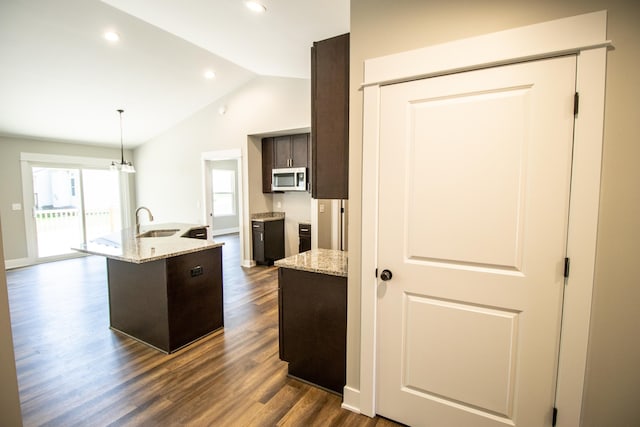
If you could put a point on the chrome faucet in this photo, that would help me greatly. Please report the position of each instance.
(138, 218)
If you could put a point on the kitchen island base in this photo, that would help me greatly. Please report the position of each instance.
(313, 327)
(167, 303)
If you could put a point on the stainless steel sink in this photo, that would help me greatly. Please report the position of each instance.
(158, 233)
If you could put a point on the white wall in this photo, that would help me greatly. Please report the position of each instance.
(15, 234)
(169, 178)
(325, 222)
(297, 208)
(379, 27)
(9, 397)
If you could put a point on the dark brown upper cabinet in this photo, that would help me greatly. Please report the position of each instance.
(267, 164)
(286, 151)
(330, 118)
(291, 151)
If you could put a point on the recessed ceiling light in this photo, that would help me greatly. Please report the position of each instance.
(112, 36)
(255, 6)
(209, 74)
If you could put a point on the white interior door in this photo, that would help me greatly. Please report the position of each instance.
(475, 173)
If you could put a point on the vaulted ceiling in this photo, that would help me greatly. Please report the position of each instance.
(61, 80)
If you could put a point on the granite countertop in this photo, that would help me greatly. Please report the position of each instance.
(325, 261)
(267, 216)
(126, 246)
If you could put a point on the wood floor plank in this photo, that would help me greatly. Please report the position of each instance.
(74, 371)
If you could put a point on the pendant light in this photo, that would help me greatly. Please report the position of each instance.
(123, 166)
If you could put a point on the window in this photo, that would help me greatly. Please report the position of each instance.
(63, 218)
(223, 183)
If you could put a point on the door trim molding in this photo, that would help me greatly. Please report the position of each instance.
(243, 216)
(27, 160)
(584, 35)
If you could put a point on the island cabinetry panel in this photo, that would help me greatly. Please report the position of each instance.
(268, 241)
(167, 303)
(330, 118)
(313, 326)
(194, 294)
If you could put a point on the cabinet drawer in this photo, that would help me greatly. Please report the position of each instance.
(304, 229)
(257, 226)
(198, 233)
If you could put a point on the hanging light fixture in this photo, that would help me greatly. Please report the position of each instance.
(123, 166)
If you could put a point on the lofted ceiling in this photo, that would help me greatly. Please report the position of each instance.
(61, 80)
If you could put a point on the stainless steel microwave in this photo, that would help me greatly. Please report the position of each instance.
(289, 179)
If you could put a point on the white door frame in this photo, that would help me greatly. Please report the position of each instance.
(584, 35)
(27, 160)
(232, 154)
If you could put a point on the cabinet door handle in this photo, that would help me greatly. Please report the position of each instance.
(304, 229)
(261, 237)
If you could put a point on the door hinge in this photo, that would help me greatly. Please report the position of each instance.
(567, 265)
(376, 273)
(554, 418)
(576, 102)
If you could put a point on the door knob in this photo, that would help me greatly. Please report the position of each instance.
(386, 275)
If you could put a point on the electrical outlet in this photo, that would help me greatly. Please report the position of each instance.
(321, 207)
(278, 205)
(16, 207)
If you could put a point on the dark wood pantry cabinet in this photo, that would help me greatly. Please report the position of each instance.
(330, 118)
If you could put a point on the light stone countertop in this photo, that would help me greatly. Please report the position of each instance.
(324, 261)
(125, 246)
(267, 216)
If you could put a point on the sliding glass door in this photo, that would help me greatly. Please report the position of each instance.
(101, 202)
(57, 209)
(72, 206)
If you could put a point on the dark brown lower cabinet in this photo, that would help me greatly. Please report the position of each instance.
(313, 326)
(267, 241)
(167, 303)
(304, 237)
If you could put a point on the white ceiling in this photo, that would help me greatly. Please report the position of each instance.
(61, 80)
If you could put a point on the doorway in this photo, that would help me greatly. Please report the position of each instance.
(469, 323)
(69, 201)
(222, 201)
(222, 187)
(584, 35)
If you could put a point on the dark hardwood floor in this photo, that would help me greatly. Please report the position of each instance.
(74, 371)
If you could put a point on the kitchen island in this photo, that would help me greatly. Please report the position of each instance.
(312, 308)
(165, 283)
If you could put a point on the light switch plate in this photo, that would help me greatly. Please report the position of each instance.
(16, 207)
(321, 207)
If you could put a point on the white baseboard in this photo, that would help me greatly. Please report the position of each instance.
(248, 263)
(16, 263)
(221, 231)
(351, 399)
